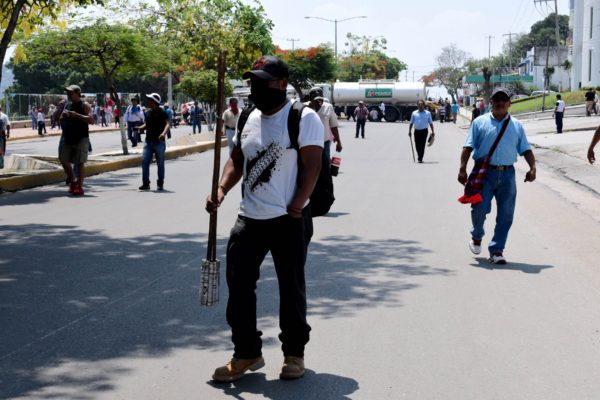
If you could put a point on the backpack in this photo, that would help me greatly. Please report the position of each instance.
(322, 196)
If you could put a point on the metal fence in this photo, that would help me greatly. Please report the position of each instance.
(18, 105)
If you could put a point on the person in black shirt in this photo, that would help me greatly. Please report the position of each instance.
(590, 102)
(156, 126)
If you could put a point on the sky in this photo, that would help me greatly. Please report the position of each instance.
(415, 30)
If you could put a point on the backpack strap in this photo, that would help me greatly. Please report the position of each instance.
(242, 122)
(294, 123)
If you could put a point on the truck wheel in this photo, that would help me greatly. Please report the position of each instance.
(391, 114)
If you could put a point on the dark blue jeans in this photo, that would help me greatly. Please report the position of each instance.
(154, 148)
(502, 186)
(196, 124)
(131, 134)
(559, 121)
(360, 124)
(287, 239)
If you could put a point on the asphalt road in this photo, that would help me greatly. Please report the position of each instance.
(99, 295)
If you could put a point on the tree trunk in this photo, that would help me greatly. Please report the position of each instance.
(9, 31)
(115, 96)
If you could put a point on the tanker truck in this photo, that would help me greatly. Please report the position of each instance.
(400, 98)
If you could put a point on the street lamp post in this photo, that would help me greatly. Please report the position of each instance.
(335, 21)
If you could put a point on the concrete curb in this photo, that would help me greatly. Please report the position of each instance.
(41, 178)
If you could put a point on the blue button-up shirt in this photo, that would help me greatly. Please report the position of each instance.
(421, 119)
(484, 132)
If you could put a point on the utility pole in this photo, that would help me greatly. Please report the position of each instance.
(293, 41)
(557, 33)
(510, 35)
(413, 76)
(546, 75)
(489, 46)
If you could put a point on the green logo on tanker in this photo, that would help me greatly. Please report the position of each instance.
(378, 93)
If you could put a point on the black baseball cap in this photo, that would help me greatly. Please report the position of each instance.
(316, 93)
(268, 67)
(500, 90)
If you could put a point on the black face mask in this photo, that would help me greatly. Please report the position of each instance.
(264, 97)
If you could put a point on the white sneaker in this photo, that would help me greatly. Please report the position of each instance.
(475, 248)
(497, 258)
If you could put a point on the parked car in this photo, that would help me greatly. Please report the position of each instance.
(540, 92)
(519, 96)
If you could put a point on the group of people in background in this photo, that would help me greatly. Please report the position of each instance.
(447, 111)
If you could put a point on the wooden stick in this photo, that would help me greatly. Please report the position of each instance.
(211, 252)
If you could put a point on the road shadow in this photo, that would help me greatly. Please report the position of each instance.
(483, 262)
(74, 303)
(33, 196)
(312, 386)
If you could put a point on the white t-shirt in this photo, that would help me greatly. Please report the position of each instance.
(270, 161)
(560, 106)
(328, 119)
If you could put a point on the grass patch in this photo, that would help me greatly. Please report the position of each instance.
(535, 104)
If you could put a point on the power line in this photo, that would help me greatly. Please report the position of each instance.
(293, 41)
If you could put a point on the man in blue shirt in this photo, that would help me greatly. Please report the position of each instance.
(196, 112)
(500, 177)
(421, 118)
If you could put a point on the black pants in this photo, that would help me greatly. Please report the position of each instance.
(287, 239)
(559, 121)
(360, 124)
(420, 140)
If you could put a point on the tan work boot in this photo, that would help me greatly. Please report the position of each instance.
(236, 368)
(293, 368)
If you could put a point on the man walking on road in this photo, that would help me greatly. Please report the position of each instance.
(75, 120)
(361, 113)
(195, 114)
(559, 112)
(156, 126)
(500, 177)
(230, 119)
(328, 119)
(4, 135)
(134, 117)
(274, 216)
(420, 118)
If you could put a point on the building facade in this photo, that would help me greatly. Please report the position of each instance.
(534, 64)
(584, 24)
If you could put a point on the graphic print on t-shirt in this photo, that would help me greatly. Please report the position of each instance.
(260, 168)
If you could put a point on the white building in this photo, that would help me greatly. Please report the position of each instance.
(535, 63)
(585, 48)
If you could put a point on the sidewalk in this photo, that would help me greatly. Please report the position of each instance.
(566, 153)
(28, 133)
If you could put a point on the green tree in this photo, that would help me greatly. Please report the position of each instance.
(364, 58)
(308, 66)
(105, 50)
(451, 69)
(202, 86)
(201, 29)
(25, 16)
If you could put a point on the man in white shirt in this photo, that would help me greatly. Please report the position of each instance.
(4, 135)
(134, 117)
(230, 119)
(328, 119)
(273, 217)
(559, 112)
